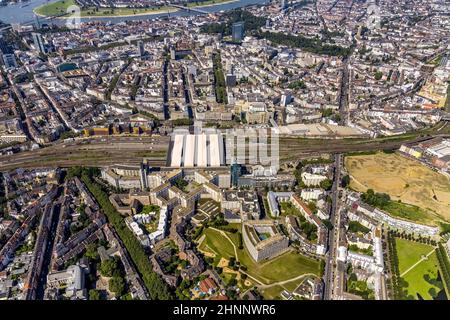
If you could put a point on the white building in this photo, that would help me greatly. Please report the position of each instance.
(310, 179)
(311, 194)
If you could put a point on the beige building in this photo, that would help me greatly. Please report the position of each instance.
(263, 240)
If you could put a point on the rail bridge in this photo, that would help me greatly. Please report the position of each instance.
(189, 9)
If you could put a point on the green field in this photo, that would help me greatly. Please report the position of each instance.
(272, 293)
(284, 267)
(206, 3)
(407, 211)
(60, 7)
(422, 278)
(215, 243)
(54, 8)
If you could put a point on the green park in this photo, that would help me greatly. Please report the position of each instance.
(418, 267)
(59, 8)
(284, 272)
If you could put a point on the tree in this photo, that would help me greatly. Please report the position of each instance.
(326, 184)
(157, 288)
(328, 224)
(378, 75)
(312, 206)
(117, 285)
(91, 252)
(322, 268)
(232, 282)
(94, 294)
(109, 267)
(180, 183)
(345, 181)
(327, 112)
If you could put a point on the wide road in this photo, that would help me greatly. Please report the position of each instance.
(333, 239)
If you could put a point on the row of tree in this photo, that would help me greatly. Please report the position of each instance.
(157, 288)
(379, 200)
(219, 79)
(412, 237)
(251, 22)
(399, 285)
(313, 45)
(444, 266)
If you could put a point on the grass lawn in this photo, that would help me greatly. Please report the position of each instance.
(288, 209)
(286, 266)
(206, 3)
(125, 11)
(409, 252)
(422, 279)
(55, 8)
(60, 7)
(216, 242)
(407, 211)
(272, 293)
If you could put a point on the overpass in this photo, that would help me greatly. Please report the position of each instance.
(189, 9)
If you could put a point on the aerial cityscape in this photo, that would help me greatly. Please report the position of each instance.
(224, 150)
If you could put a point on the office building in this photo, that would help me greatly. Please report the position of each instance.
(38, 42)
(9, 60)
(238, 31)
(141, 48)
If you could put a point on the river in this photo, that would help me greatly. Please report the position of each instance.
(22, 12)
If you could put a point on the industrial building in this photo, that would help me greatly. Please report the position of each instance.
(197, 150)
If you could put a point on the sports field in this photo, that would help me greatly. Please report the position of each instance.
(286, 268)
(426, 191)
(418, 266)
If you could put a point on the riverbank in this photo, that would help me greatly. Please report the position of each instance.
(60, 8)
(209, 3)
